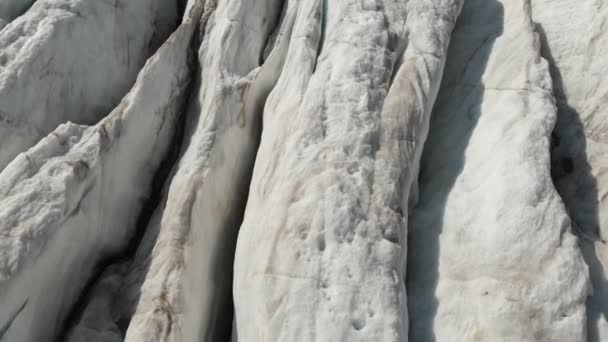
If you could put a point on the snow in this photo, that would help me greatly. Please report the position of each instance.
(73, 198)
(492, 256)
(72, 60)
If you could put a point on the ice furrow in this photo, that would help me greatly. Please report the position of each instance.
(108, 307)
(73, 199)
(321, 252)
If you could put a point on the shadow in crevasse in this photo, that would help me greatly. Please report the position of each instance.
(574, 181)
(454, 118)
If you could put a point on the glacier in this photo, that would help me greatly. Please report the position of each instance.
(303, 170)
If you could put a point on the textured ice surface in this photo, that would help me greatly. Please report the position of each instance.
(72, 60)
(575, 40)
(187, 288)
(73, 199)
(321, 252)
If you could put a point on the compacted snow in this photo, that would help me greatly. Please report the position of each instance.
(303, 170)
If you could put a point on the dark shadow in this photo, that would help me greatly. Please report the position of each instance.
(181, 9)
(575, 183)
(458, 107)
(20, 13)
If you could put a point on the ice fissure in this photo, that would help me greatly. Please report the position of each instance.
(325, 223)
(303, 170)
(161, 176)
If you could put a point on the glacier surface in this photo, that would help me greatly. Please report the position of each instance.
(303, 170)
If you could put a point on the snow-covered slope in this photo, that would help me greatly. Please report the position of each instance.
(575, 40)
(73, 199)
(492, 257)
(72, 60)
(321, 252)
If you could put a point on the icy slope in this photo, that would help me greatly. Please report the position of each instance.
(72, 60)
(73, 199)
(491, 254)
(575, 40)
(321, 252)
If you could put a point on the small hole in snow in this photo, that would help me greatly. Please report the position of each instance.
(358, 324)
(391, 237)
(321, 243)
